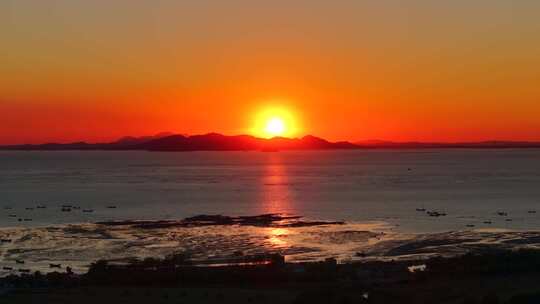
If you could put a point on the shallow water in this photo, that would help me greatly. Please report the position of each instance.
(356, 186)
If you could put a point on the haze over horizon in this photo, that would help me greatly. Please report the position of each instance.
(96, 71)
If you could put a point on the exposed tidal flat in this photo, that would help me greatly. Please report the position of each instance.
(217, 240)
(206, 240)
(487, 276)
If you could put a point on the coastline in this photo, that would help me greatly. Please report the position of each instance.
(488, 277)
(221, 240)
(268, 258)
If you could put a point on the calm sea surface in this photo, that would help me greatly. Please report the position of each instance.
(380, 185)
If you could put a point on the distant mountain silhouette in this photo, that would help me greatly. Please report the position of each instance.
(206, 142)
(131, 140)
(219, 142)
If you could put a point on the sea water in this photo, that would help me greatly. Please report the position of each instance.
(469, 185)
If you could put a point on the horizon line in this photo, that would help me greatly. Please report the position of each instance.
(360, 142)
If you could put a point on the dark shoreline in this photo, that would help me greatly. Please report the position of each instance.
(274, 220)
(490, 277)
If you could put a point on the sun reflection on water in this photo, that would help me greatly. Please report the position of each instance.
(275, 187)
(277, 236)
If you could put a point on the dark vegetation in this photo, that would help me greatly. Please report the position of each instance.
(491, 277)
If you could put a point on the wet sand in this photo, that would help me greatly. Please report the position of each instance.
(210, 240)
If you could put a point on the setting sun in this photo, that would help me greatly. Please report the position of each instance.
(275, 126)
(273, 122)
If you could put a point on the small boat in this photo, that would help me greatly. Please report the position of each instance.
(470, 225)
(531, 211)
(55, 266)
(27, 219)
(7, 268)
(508, 220)
(12, 215)
(421, 209)
(5, 240)
(502, 213)
(88, 210)
(66, 206)
(436, 213)
(29, 208)
(41, 207)
(111, 207)
(66, 209)
(24, 270)
(487, 222)
(19, 261)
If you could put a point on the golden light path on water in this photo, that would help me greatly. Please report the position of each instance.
(277, 197)
(276, 236)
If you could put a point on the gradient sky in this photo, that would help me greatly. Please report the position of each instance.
(394, 70)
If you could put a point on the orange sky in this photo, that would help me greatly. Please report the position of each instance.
(346, 70)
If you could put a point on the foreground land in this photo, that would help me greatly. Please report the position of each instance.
(491, 277)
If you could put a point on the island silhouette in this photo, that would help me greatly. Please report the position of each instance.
(220, 142)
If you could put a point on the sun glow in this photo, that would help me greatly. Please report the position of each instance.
(275, 126)
(274, 122)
